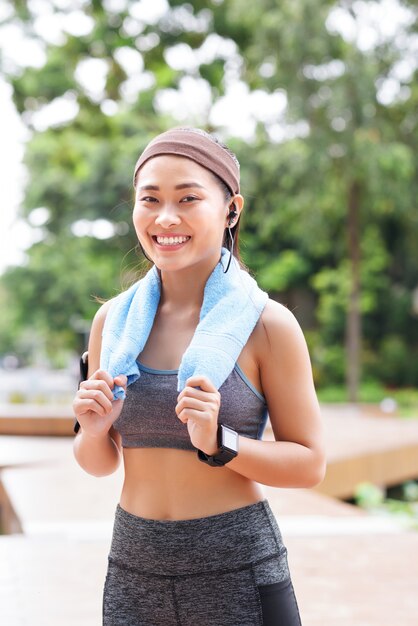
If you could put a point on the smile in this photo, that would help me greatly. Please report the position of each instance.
(170, 241)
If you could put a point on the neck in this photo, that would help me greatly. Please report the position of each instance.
(184, 289)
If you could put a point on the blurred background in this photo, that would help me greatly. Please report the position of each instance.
(319, 100)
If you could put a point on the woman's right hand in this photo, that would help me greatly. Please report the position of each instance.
(93, 404)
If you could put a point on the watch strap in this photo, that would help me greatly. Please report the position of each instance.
(84, 366)
(219, 459)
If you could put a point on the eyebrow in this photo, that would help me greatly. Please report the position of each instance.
(180, 186)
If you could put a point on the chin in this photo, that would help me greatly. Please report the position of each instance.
(171, 265)
(180, 264)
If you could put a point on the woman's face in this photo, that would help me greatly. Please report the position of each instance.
(180, 213)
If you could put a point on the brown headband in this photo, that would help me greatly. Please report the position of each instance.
(195, 146)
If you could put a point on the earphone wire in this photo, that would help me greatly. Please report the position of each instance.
(231, 251)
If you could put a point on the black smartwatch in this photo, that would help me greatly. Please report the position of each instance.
(228, 448)
(84, 366)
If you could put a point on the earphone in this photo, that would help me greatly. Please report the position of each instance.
(232, 215)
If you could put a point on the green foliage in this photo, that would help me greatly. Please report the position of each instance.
(9, 326)
(398, 363)
(374, 392)
(336, 133)
(373, 499)
(286, 271)
(368, 495)
(328, 364)
(37, 86)
(332, 286)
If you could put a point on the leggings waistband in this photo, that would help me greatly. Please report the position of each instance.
(226, 541)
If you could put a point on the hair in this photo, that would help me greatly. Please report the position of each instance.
(235, 228)
(227, 195)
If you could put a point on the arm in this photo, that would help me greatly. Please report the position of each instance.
(297, 457)
(97, 446)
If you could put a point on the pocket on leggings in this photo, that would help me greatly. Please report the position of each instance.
(279, 605)
(219, 599)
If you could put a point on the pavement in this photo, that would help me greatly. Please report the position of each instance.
(349, 568)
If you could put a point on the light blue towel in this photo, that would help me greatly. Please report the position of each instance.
(232, 305)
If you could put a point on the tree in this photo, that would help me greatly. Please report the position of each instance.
(78, 168)
(330, 175)
(355, 166)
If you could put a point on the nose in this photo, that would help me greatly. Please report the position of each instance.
(167, 216)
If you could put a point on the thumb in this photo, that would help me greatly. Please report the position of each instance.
(121, 380)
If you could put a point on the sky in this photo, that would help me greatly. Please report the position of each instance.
(237, 112)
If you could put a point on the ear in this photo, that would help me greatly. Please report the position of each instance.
(236, 204)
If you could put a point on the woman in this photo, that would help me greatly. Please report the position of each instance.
(194, 540)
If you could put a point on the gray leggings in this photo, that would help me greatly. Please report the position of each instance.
(228, 569)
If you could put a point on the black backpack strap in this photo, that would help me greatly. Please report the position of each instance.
(84, 366)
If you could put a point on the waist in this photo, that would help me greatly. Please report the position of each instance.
(171, 484)
(222, 541)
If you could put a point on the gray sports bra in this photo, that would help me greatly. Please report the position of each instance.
(148, 418)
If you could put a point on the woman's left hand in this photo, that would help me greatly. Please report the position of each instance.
(198, 406)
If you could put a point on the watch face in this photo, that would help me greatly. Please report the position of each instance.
(229, 438)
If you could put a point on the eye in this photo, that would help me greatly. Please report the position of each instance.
(148, 199)
(189, 199)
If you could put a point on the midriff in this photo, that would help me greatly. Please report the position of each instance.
(171, 484)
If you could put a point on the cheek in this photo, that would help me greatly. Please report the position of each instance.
(139, 218)
(212, 218)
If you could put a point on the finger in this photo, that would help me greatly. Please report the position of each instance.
(190, 403)
(98, 397)
(197, 416)
(102, 375)
(201, 381)
(89, 405)
(100, 405)
(121, 380)
(192, 392)
(100, 385)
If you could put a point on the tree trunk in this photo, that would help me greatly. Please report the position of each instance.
(353, 326)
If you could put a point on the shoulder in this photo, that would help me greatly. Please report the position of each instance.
(281, 338)
(275, 324)
(101, 313)
(278, 321)
(277, 316)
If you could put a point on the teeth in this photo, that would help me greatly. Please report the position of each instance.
(169, 241)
